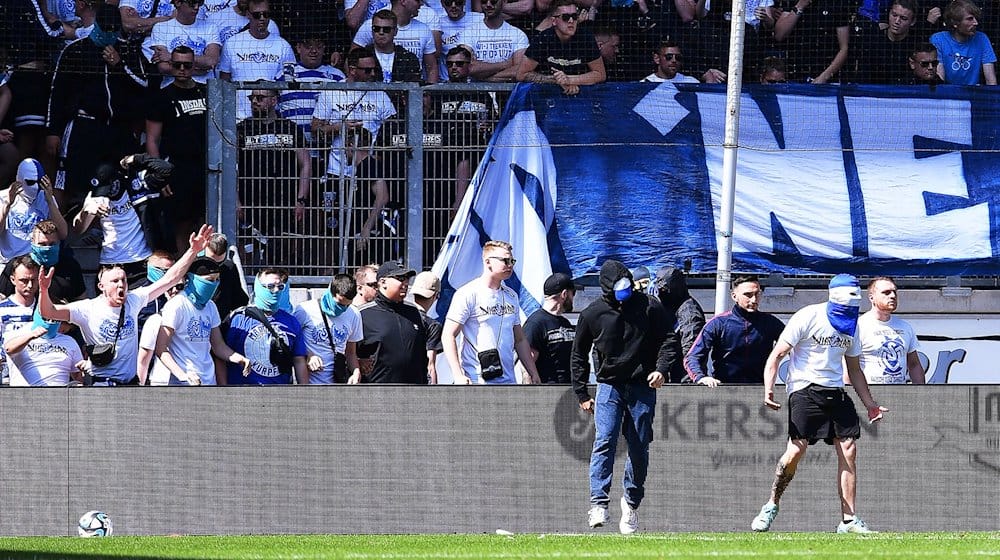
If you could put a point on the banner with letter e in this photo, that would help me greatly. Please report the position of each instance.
(861, 179)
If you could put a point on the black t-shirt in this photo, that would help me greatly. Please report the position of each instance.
(813, 44)
(881, 61)
(571, 57)
(552, 336)
(268, 154)
(182, 112)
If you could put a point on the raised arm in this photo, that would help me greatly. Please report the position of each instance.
(198, 241)
(45, 306)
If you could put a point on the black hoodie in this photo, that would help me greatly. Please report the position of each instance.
(633, 338)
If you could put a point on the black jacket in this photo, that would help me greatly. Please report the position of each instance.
(633, 338)
(689, 318)
(395, 338)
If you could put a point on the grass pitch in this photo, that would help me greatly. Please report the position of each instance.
(923, 546)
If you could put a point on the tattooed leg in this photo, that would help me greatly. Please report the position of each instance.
(785, 470)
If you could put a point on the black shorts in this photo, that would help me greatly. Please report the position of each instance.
(822, 413)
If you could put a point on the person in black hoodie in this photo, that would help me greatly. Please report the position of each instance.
(689, 318)
(635, 343)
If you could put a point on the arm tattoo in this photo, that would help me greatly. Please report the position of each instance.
(782, 476)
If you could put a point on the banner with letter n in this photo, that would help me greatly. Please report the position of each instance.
(861, 179)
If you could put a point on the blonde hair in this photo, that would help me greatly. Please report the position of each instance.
(497, 245)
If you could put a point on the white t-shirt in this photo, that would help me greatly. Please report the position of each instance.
(496, 45)
(370, 107)
(147, 341)
(13, 318)
(45, 362)
(145, 7)
(98, 323)
(488, 318)
(248, 59)
(191, 345)
(818, 350)
(124, 241)
(373, 6)
(415, 37)
(345, 328)
(15, 239)
(212, 7)
(198, 36)
(453, 34)
(884, 346)
(677, 79)
(229, 23)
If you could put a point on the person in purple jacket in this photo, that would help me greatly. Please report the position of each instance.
(737, 341)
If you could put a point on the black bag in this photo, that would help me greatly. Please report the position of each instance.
(104, 353)
(489, 364)
(280, 354)
(339, 360)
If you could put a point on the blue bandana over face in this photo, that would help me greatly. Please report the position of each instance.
(200, 290)
(844, 304)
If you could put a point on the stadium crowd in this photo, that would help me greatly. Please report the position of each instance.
(103, 110)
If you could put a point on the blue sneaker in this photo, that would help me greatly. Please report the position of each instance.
(764, 519)
(856, 525)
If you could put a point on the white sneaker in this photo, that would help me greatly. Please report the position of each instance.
(630, 519)
(764, 519)
(597, 516)
(856, 525)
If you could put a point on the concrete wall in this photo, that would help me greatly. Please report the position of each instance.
(465, 459)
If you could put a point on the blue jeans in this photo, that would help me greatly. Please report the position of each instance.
(626, 409)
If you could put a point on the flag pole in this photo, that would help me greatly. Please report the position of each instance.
(724, 229)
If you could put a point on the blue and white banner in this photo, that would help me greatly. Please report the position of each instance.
(862, 179)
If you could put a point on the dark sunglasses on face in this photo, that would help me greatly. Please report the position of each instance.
(507, 261)
(181, 65)
(370, 284)
(569, 17)
(929, 63)
(383, 28)
(260, 15)
(672, 56)
(30, 182)
(492, 2)
(454, 2)
(458, 63)
(258, 97)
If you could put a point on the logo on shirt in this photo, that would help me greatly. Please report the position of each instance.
(257, 348)
(198, 329)
(498, 309)
(892, 359)
(961, 62)
(109, 327)
(190, 107)
(197, 44)
(832, 341)
(258, 57)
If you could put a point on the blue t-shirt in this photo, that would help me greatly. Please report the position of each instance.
(963, 62)
(249, 337)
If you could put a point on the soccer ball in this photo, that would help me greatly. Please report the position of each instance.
(94, 524)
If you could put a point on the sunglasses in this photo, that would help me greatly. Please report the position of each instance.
(569, 17)
(507, 261)
(31, 182)
(274, 286)
(260, 15)
(369, 284)
(452, 2)
(181, 65)
(928, 63)
(491, 2)
(672, 56)
(259, 97)
(458, 63)
(383, 28)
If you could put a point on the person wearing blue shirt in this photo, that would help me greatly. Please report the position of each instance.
(276, 349)
(965, 55)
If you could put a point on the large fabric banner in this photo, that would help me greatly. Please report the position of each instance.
(862, 179)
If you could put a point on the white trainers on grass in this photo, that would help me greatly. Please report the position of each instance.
(630, 519)
(597, 516)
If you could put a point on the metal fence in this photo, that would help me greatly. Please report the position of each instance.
(396, 202)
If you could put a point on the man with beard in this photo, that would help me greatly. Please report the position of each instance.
(498, 46)
(549, 332)
(737, 341)
(888, 344)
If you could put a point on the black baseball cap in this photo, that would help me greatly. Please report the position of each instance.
(393, 269)
(558, 282)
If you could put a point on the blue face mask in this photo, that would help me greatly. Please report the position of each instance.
(264, 299)
(200, 290)
(102, 38)
(51, 327)
(328, 304)
(623, 289)
(46, 255)
(285, 298)
(153, 274)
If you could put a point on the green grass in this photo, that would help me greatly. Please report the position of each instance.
(651, 545)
